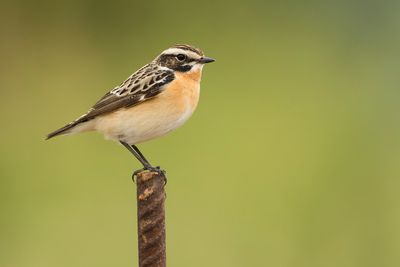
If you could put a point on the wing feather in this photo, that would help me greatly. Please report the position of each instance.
(143, 85)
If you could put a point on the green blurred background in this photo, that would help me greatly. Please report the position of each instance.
(292, 158)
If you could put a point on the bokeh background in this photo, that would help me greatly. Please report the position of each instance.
(292, 158)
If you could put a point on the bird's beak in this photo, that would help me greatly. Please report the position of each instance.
(205, 60)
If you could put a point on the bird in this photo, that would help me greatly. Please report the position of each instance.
(155, 100)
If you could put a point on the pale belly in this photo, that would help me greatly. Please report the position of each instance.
(153, 118)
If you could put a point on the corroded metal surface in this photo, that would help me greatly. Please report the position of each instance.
(151, 219)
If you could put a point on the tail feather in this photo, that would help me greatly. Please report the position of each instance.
(62, 130)
(80, 124)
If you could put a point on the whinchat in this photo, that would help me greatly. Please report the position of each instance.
(153, 101)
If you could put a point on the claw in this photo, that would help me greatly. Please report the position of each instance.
(135, 173)
(156, 169)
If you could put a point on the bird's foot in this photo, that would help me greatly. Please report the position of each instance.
(159, 171)
(150, 168)
(156, 169)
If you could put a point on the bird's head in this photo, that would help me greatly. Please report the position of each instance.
(183, 58)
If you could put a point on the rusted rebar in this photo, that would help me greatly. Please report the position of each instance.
(151, 219)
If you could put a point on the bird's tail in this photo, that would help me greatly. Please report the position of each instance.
(63, 130)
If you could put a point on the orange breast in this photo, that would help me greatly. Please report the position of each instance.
(185, 89)
(156, 117)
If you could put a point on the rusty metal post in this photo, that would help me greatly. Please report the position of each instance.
(151, 219)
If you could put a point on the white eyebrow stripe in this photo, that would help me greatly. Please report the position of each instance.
(176, 51)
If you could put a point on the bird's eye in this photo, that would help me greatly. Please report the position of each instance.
(181, 57)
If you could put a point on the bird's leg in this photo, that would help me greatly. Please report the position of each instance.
(136, 154)
(140, 153)
(149, 166)
(146, 165)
